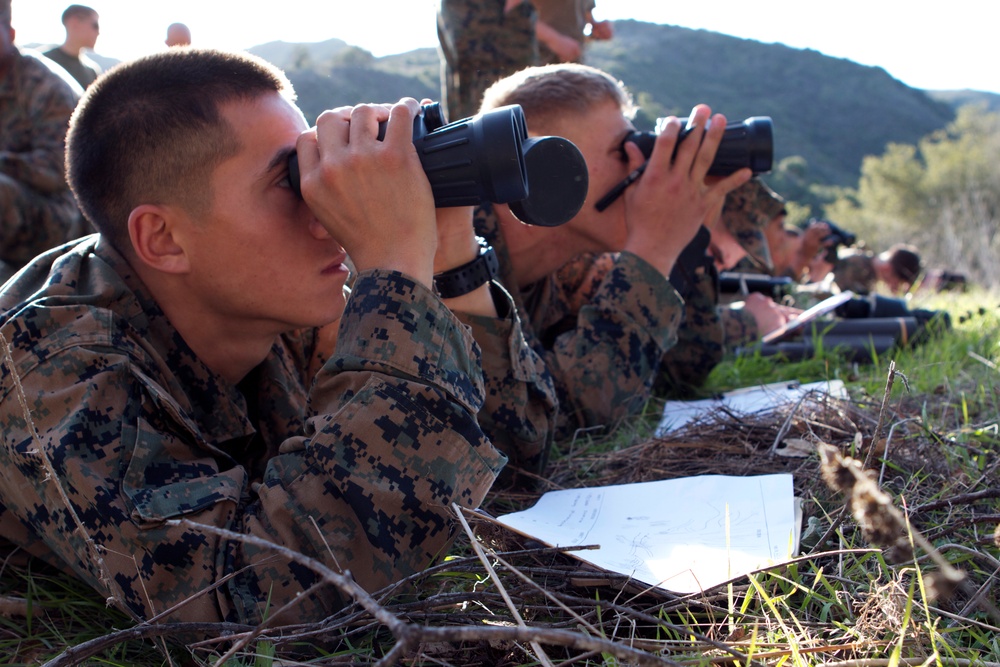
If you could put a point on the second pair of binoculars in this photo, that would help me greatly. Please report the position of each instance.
(489, 158)
(746, 143)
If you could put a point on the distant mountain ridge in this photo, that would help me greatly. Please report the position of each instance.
(830, 111)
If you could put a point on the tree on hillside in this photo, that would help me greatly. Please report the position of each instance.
(942, 195)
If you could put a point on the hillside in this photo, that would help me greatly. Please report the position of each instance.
(961, 98)
(832, 112)
(332, 73)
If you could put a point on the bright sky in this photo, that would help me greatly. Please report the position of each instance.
(924, 45)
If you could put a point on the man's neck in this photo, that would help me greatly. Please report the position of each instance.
(71, 50)
(535, 252)
(230, 349)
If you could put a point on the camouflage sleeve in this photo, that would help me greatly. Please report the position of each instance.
(49, 106)
(485, 35)
(700, 340)
(520, 409)
(855, 272)
(740, 327)
(390, 442)
(605, 363)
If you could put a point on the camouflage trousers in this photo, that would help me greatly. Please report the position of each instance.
(481, 44)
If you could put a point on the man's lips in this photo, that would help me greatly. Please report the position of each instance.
(336, 266)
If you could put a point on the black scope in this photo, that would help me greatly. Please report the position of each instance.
(490, 158)
(734, 282)
(877, 306)
(747, 143)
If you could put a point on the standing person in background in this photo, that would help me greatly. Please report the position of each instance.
(562, 29)
(178, 34)
(37, 209)
(482, 41)
(82, 28)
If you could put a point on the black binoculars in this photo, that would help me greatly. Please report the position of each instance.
(832, 241)
(747, 143)
(490, 158)
(734, 282)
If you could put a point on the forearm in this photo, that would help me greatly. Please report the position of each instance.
(740, 327)
(606, 365)
(519, 412)
(370, 491)
(700, 340)
(394, 438)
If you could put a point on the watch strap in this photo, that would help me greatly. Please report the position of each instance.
(468, 277)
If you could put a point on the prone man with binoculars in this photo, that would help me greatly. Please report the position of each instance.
(200, 381)
(577, 154)
(594, 294)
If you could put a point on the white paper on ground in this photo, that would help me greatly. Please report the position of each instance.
(684, 535)
(825, 306)
(746, 401)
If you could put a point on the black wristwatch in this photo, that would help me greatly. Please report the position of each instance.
(463, 279)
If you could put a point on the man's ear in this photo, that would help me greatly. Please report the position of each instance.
(157, 239)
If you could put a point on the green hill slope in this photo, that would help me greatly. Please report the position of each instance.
(831, 111)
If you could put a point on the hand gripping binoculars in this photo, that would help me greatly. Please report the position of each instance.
(490, 158)
(747, 143)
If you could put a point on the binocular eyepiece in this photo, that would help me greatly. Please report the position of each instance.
(490, 158)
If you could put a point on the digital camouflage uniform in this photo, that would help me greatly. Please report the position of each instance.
(357, 470)
(745, 213)
(855, 271)
(569, 17)
(600, 324)
(751, 208)
(747, 265)
(37, 209)
(701, 338)
(479, 45)
(519, 413)
(711, 328)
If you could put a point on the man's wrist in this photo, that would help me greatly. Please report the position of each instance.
(470, 276)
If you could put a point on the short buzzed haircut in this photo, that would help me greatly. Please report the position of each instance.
(549, 92)
(77, 12)
(905, 262)
(151, 131)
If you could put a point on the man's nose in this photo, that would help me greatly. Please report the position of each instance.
(317, 230)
